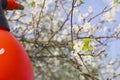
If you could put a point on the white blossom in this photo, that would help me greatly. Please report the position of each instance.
(117, 29)
(110, 69)
(80, 17)
(78, 46)
(75, 28)
(90, 9)
(85, 15)
(109, 16)
(105, 28)
(88, 28)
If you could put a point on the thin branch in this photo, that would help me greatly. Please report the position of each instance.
(94, 77)
(51, 56)
(98, 37)
(70, 12)
(71, 21)
(102, 12)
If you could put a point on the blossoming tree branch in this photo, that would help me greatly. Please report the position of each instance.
(69, 39)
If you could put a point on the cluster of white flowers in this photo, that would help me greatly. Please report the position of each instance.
(88, 28)
(78, 46)
(110, 16)
(80, 17)
(75, 28)
(87, 59)
(90, 9)
(85, 14)
(117, 30)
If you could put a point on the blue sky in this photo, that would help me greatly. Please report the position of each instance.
(113, 47)
(113, 44)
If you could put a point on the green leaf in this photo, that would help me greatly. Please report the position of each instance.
(81, 2)
(73, 44)
(115, 1)
(87, 41)
(89, 48)
(32, 3)
(79, 26)
(85, 47)
(105, 8)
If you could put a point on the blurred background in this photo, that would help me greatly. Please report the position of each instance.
(70, 39)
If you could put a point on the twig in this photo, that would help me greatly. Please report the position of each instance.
(71, 21)
(102, 12)
(90, 74)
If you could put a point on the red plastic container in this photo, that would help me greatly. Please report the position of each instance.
(14, 61)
